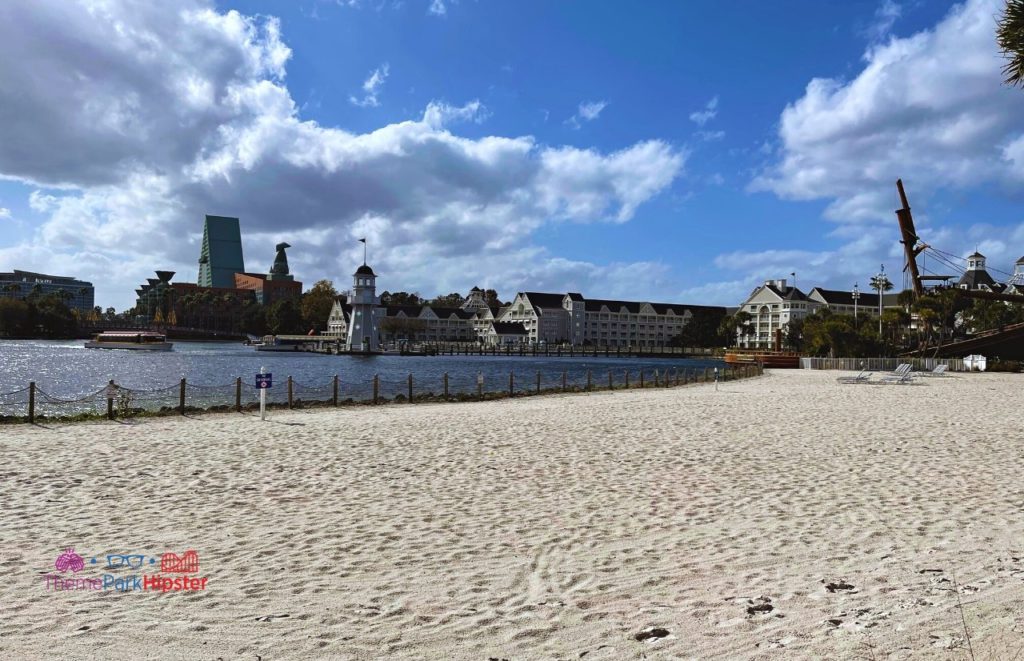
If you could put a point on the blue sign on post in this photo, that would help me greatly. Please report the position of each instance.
(264, 380)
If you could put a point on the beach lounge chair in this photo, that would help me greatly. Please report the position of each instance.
(862, 377)
(902, 374)
(938, 370)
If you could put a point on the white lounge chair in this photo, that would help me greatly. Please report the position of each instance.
(862, 377)
(938, 370)
(902, 374)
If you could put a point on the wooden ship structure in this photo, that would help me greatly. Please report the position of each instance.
(1006, 342)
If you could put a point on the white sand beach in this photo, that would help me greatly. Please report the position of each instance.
(785, 516)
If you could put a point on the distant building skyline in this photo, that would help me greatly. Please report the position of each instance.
(77, 294)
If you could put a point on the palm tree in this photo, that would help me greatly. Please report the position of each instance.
(881, 283)
(1010, 37)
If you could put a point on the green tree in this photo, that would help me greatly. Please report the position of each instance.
(284, 318)
(401, 298)
(1010, 37)
(254, 319)
(702, 330)
(881, 283)
(49, 317)
(404, 328)
(985, 315)
(14, 318)
(452, 300)
(491, 298)
(836, 335)
(733, 324)
(317, 304)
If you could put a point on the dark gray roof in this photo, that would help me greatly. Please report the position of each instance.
(840, 297)
(543, 300)
(417, 310)
(595, 305)
(976, 255)
(973, 278)
(364, 270)
(789, 293)
(409, 310)
(575, 296)
(445, 313)
(509, 328)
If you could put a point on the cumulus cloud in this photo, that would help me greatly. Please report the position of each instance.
(587, 111)
(437, 8)
(885, 17)
(930, 108)
(705, 115)
(371, 88)
(183, 111)
(5, 212)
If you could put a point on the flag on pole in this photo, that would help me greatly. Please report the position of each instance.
(362, 240)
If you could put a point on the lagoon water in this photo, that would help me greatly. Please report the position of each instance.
(67, 370)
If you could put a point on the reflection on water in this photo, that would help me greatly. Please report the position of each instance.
(67, 369)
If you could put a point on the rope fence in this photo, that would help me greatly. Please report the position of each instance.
(116, 401)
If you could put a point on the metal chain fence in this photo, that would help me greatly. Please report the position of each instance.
(31, 403)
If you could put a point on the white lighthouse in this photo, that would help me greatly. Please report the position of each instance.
(362, 327)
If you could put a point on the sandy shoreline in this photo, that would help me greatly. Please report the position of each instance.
(548, 527)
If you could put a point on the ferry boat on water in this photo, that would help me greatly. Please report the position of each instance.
(133, 340)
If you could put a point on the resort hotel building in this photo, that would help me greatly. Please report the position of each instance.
(774, 304)
(76, 294)
(531, 318)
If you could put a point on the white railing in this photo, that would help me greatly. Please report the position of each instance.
(881, 364)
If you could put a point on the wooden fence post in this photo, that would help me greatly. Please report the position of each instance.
(376, 387)
(334, 395)
(445, 379)
(31, 401)
(677, 376)
(538, 381)
(181, 397)
(238, 394)
(410, 387)
(627, 379)
(511, 384)
(480, 385)
(706, 370)
(641, 378)
(655, 378)
(110, 401)
(289, 392)
(589, 378)
(563, 374)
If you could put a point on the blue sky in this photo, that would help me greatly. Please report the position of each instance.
(659, 150)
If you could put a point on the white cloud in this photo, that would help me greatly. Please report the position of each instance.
(372, 87)
(590, 110)
(710, 111)
(5, 212)
(930, 108)
(1013, 154)
(190, 116)
(587, 111)
(437, 8)
(886, 15)
(710, 136)
(438, 114)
